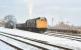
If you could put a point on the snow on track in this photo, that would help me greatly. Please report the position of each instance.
(4, 46)
(67, 43)
(42, 46)
(19, 44)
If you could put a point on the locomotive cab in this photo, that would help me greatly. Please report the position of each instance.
(41, 24)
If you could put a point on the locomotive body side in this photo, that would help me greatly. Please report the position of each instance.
(30, 24)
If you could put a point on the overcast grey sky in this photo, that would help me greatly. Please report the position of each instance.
(60, 10)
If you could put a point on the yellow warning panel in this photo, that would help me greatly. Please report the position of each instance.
(41, 23)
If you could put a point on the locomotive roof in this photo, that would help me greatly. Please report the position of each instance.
(38, 18)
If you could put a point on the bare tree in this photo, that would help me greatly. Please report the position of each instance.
(10, 21)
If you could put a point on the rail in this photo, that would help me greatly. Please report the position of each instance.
(19, 38)
(77, 38)
(17, 48)
(41, 40)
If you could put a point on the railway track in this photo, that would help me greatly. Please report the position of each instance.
(19, 44)
(39, 45)
(77, 38)
(10, 45)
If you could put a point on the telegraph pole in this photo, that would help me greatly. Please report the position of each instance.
(52, 20)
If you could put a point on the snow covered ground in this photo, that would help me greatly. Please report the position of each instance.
(67, 43)
(15, 43)
(4, 46)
